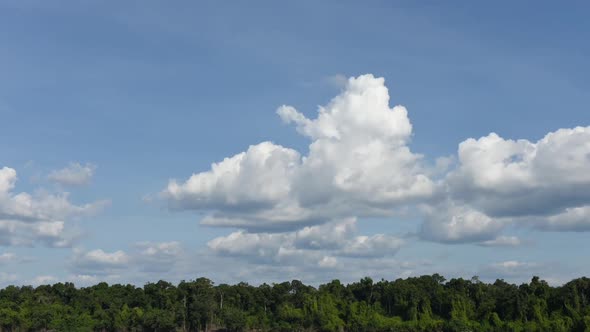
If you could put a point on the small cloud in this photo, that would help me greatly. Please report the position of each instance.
(517, 271)
(74, 174)
(98, 261)
(7, 257)
(337, 80)
(83, 279)
(328, 262)
(502, 241)
(42, 280)
(157, 256)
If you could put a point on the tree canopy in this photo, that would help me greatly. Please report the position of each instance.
(426, 303)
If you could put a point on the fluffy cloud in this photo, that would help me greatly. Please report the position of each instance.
(108, 259)
(48, 233)
(571, 219)
(451, 223)
(27, 219)
(499, 182)
(150, 257)
(320, 246)
(359, 155)
(378, 245)
(507, 178)
(158, 256)
(257, 178)
(100, 261)
(74, 174)
(358, 164)
(328, 236)
(7, 180)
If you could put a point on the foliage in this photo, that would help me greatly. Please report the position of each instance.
(426, 303)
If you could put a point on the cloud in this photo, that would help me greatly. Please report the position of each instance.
(451, 223)
(100, 257)
(85, 280)
(7, 180)
(337, 80)
(498, 182)
(28, 219)
(158, 256)
(42, 280)
(510, 266)
(378, 245)
(249, 181)
(7, 278)
(41, 206)
(7, 257)
(345, 269)
(320, 246)
(99, 261)
(48, 233)
(521, 271)
(502, 241)
(358, 164)
(328, 236)
(508, 178)
(148, 257)
(328, 262)
(576, 219)
(74, 174)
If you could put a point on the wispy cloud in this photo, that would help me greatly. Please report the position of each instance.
(75, 174)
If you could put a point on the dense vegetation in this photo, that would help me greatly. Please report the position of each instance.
(427, 303)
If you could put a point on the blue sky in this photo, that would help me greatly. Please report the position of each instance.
(136, 94)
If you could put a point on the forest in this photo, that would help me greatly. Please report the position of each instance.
(426, 303)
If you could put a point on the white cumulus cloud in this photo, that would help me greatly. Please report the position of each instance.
(358, 164)
(451, 223)
(513, 178)
(28, 219)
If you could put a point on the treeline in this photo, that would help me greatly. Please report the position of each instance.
(426, 303)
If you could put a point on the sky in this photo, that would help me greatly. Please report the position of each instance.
(265, 141)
